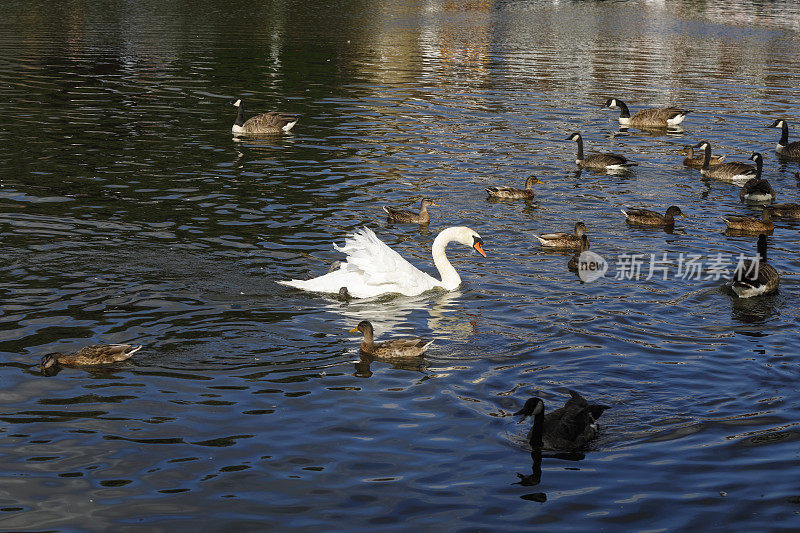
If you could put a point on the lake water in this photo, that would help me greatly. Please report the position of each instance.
(129, 213)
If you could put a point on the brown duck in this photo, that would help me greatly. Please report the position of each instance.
(391, 349)
(751, 224)
(645, 217)
(696, 161)
(403, 215)
(513, 192)
(96, 354)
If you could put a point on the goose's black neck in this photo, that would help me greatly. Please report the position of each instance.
(623, 109)
(762, 249)
(759, 165)
(240, 114)
(580, 148)
(537, 431)
(784, 134)
(706, 156)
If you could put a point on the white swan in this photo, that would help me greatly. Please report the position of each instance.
(372, 268)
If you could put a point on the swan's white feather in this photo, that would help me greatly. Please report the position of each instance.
(371, 269)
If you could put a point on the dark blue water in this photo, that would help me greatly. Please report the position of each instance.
(129, 213)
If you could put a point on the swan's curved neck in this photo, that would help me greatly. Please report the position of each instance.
(450, 278)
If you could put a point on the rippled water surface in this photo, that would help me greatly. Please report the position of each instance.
(129, 213)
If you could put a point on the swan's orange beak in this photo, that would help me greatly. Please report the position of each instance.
(479, 246)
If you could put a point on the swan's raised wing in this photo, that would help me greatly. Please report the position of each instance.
(371, 268)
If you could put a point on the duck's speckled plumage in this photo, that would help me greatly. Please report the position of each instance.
(392, 349)
(751, 224)
(646, 217)
(696, 161)
(96, 354)
(563, 240)
(513, 192)
(404, 215)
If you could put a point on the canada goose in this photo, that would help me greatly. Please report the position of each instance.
(266, 123)
(513, 192)
(391, 349)
(757, 189)
(649, 118)
(734, 171)
(751, 224)
(573, 263)
(569, 428)
(645, 217)
(784, 148)
(696, 161)
(563, 240)
(755, 277)
(599, 161)
(788, 211)
(96, 354)
(404, 215)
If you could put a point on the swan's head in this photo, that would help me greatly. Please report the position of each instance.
(427, 202)
(468, 237)
(675, 211)
(236, 102)
(574, 137)
(534, 406)
(611, 102)
(365, 327)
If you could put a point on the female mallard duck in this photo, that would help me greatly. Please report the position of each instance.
(599, 161)
(789, 211)
(784, 148)
(757, 189)
(756, 277)
(574, 261)
(645, 217)
(734, 171)
(513, 192)
(696, 161)
(751, 224)
(266, 123)
(372, 268)
(569, 428)
(391, 349)
(563, 240)
(404, 215)
(661, 117)
(96, 354)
